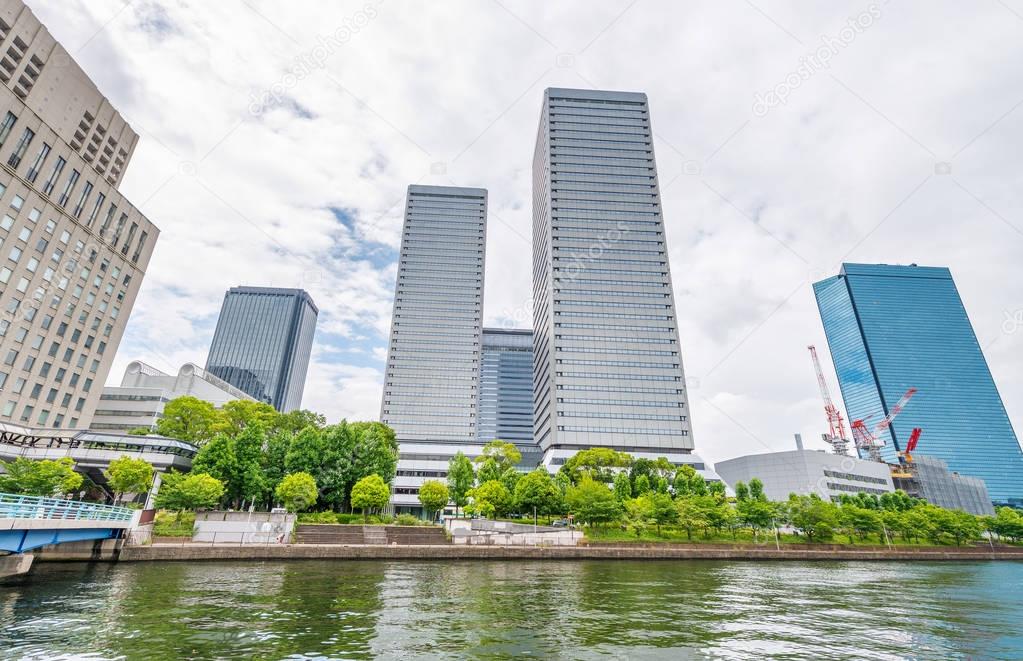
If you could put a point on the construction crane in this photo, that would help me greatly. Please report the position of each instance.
(836, 425)
(867, 441)
(914, 438)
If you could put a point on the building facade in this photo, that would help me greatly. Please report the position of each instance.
(138, 402)
(929, 478)
(806, 472)
(506, 391)
(607, 364)
(73, 249)
(262, 343)
(891, 328)
(431, 384)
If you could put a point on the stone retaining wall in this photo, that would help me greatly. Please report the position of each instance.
(473, 552)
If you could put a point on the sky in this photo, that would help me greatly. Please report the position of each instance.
(277, 142)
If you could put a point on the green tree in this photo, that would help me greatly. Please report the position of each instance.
(247, 483)
(374, 451)
(692, 514)
(488, 471)
(622, 487)
(371, 492)
(641, 485)
(859, 521)
(297, 491)
(217, 459)
(305, 453)
(433, 494)
(127, 475)
(593, 502)
(180, 492)
(813, 517)
(598, 464)
(662, 509)
(537, 492)
(741, 492)
(50, 478)
(1007, 523)
(639, 513)
(964, 527)
(295, 421)
(272, 462)
(140, 431)
(490, 499)
(189, 419)
(461, 477)
(505, 455)
(238, 414)
(509, 478)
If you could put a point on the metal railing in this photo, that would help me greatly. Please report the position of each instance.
(13, 506)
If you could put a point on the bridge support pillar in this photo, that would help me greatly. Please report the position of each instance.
(12, 565)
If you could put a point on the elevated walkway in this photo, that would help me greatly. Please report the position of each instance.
(28, 522)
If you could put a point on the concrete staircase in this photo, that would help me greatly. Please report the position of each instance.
(373, 535)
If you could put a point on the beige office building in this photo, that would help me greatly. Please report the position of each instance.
(73, 250)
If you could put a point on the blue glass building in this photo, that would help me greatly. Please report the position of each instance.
(506, 391)
(891, 328)
(262, 343)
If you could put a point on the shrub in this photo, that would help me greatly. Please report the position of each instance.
(408, 520)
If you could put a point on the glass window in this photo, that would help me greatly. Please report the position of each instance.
(7, 125)
(24, 234)
(6, 223)
(69, 187)
(15, 254)
(8, 409)
(51, 181)
(37, 164)
(21, 147)
(26, 414)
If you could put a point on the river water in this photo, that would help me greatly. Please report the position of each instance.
(550, 610)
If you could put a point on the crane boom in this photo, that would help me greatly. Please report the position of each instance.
(836, 425)
(867, 440)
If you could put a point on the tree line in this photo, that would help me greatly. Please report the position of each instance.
(604, 488)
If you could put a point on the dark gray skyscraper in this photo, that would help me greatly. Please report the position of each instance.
(262, 343)
(608, 365)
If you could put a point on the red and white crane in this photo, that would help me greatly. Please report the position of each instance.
(867, 441)
(836, 436)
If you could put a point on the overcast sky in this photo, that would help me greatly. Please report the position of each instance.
(277, 141)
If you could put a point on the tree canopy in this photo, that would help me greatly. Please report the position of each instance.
(50, 478)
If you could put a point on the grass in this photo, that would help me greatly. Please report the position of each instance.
(173, 524)
(678, 535)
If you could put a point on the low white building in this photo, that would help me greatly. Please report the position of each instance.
(807, 471)
(145, 390)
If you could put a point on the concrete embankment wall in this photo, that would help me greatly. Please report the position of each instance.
(195, 552)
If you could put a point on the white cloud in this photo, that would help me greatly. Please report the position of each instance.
(845, 169)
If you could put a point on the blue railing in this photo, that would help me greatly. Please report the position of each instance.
(13, 506)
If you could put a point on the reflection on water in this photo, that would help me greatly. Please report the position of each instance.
(570, 610)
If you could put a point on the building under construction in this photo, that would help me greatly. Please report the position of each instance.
(919, 476)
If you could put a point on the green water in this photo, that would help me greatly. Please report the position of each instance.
(552, 610)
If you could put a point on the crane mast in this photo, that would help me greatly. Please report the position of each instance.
(836, 425)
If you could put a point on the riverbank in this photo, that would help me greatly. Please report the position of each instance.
(204, 552)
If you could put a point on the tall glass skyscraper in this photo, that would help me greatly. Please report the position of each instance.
(506, 391)
(431, 386)
(262, 343)
(891, 328)
(608, 366)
